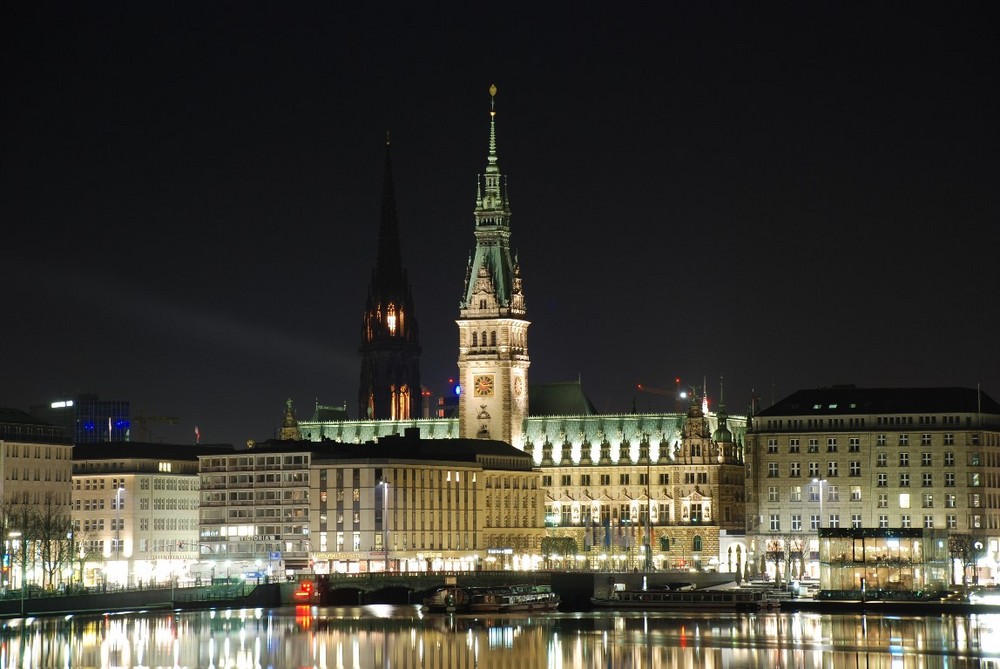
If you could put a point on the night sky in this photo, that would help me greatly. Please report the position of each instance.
(787, 195)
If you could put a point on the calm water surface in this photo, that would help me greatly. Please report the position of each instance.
(401, 637)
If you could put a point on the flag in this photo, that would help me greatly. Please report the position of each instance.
(197, 435)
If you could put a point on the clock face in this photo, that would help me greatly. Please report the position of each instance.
(518, 385)
(483, 385)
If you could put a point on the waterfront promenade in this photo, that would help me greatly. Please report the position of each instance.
(574, 588)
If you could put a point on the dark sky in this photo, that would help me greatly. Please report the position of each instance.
(788, 195)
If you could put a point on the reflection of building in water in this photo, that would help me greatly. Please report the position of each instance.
(363, 637)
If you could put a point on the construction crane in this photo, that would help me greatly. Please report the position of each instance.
(142, 424)
(680, 396)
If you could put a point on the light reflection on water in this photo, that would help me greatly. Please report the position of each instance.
(402, 637)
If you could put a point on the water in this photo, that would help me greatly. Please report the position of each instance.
(401, 637)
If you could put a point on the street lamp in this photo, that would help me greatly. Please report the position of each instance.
(819, 525)
(820, 483)
(118, 521)
(15, 535)
(384, 485)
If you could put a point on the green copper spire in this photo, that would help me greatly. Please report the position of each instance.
(492, 270)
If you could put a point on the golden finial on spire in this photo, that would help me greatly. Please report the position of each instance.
(493, 94)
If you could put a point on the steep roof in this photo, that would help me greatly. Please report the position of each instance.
(559, 399)
(841, 400)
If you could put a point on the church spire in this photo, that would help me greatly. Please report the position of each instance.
(390, 347)
(389, 262)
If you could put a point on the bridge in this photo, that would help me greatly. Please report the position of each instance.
(422, 581)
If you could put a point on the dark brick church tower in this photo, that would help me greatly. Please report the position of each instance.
(390, 343)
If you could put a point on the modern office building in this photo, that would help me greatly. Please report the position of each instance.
(873, 458)
(135, 513)
(89, 419)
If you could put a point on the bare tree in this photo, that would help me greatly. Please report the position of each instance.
(967, 549)
(775, 554)
(54, 539)
(23, 522)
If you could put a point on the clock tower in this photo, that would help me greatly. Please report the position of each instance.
(492, 329)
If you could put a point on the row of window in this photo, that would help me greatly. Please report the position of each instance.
(40, 453)
(566, 480)
(833, 521)
(251, 462)
(832, 495)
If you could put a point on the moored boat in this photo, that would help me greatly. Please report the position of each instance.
(511, 598)
(449, 599)
(707, 599)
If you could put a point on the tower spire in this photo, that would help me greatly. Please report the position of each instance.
(492, 166)
(389, 263)
(493, 362)
(390, 348)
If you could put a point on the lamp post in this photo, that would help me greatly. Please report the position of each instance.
(72, 546)
(819, 525)
(820, 483)
(15, 535)
(384, 485)
(118, 519)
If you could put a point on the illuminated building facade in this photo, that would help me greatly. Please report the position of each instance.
(557, 426)
(874, 458)
(136, 512)
(390, 346)
(492, 329)
(36, 465)
(404, 503)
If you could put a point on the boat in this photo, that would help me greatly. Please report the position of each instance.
(685, 600)
(492, 599)
(510, 598)
(449, 599)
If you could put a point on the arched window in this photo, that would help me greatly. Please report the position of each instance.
(475, 339)
(664, 543)
(493, 338)
(401, 403)
(696, 543)
(484, 337)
